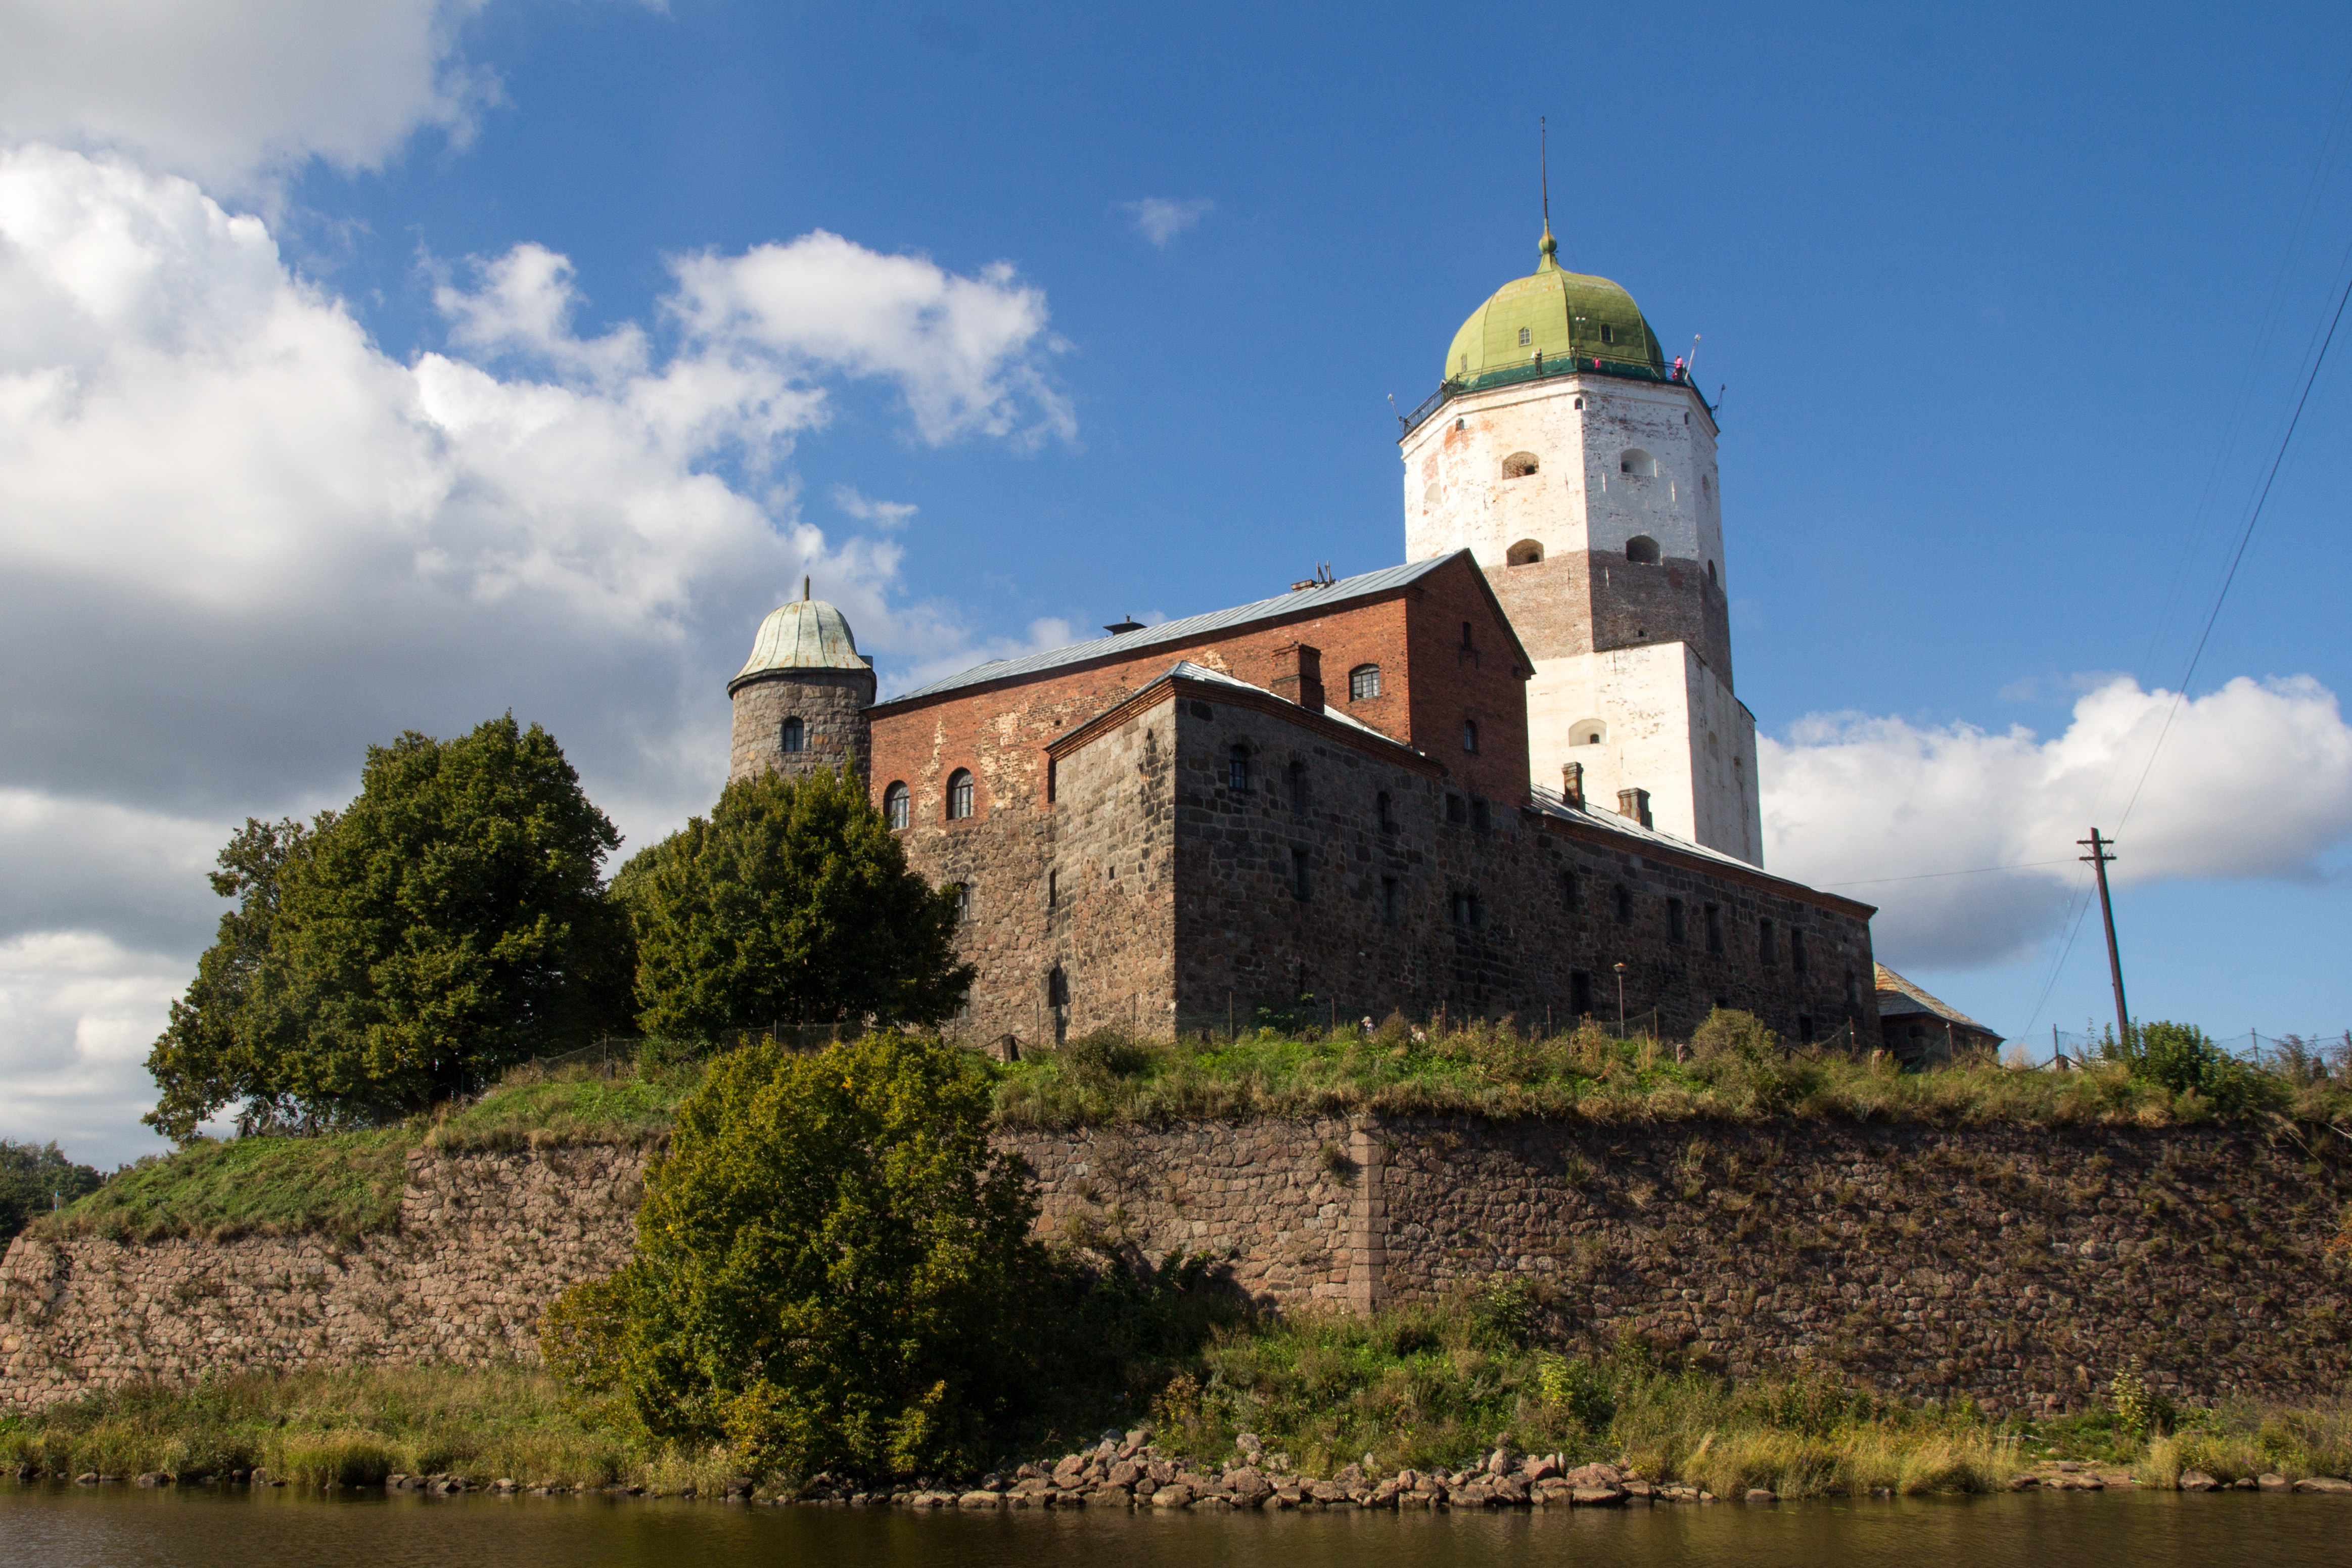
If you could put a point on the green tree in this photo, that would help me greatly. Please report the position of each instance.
(447, 923)
(830, 1268)
(33, 1177)
(791, 902)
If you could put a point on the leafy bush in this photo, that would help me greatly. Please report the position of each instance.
(791, 902)
(2180, 1058)
(33, 1176)
(830, 1267)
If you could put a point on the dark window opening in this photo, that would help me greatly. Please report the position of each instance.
(1851, 998)
(1804, 1028)
(959, 795)
(1579, 994)
(1469, 734)
(1676, 930)
(1203, 711)
(1642, 550)
(1798, 960)
(1455, 811)
(795, 735)
(897, 805)
(1388, 900)
(1387, 815)
(1480, 818)
(1298, 787)
(1519, 465)
(963, 902)
(1363, 683)
(1624, 904)
(1057, 987)
(1052, 888)
(1608, 332)
(1466, 636)
(1715, 930)
(1298, 875)
(1237, 768)
(1469, 910)
(1768, 950)
(1526, 552)
(1571, 888)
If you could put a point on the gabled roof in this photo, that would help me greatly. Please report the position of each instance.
(1897, 996)
(1282, 606)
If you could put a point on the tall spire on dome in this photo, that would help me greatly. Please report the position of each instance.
(1550, 247)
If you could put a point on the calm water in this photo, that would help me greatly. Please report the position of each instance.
(121, 1527)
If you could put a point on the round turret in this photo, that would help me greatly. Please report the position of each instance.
(1559, 315)
(801, 698)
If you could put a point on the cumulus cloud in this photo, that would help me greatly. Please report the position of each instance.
(232, 90)
(887, 515)
(1160, 220)
(2255, 781)
(238, 542)
(78, 1013)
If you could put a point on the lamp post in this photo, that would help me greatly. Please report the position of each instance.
(1621, 1001)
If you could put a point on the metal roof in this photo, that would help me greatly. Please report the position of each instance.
(1184, 668)
(1898, 996)
(1301, 601)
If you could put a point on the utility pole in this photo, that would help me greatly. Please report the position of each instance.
(2099, 858)
(1621, 1001)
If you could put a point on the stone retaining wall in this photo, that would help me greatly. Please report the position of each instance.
(2021, 1268)
(485, 1241)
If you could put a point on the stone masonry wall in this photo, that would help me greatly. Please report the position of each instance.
(485, 1240)
(2021, 1267)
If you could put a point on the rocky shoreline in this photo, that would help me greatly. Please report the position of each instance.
(1125, 1471)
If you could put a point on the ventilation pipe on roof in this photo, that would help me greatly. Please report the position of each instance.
(1634, 803)
(1571, 783)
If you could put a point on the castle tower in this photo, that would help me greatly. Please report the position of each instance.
(800, 699)
(1579, 467)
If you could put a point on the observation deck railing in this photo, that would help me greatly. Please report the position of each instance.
(1538, 369)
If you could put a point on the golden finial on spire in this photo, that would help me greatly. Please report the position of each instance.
(1550, 247)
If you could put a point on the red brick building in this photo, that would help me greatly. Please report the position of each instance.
(1318, 795)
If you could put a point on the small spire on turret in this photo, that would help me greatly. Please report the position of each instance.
(1550, 249)
(804, 590)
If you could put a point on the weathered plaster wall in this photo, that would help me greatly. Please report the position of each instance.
(485, 1242)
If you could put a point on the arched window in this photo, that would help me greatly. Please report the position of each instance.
(958, 795)
(1587, 732)
(1297, 772)
(1363, 682)
(1469, 734)
(1387, 815)
(793, 735)
(897, 805)
(1526, 552)
(1057, 987)
(1466, 643)
(1639, 464)
(1237, 768)
(1519, 465)
(1642, 550)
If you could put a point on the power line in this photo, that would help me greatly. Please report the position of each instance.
(1930, 876)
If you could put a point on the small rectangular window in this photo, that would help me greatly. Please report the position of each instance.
(1462, 908)
(1363, 682)
(1674, 928)
(1388, 900)
(1299, 874)
(1804, 1028)
(1715, 928)
(1579, 994)
(1455, 811)
(1572, 889)
(1479, 816)
(1798, 958)
(1608, 332)
(1624, 904)
(1768, 950)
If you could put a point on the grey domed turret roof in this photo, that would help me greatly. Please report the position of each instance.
(807, 633)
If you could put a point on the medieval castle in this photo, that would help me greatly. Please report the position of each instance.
(1509, 777)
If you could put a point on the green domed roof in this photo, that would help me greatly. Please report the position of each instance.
(1560, 315)
(807, 633)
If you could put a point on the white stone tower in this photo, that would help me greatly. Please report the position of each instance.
(1579, 467)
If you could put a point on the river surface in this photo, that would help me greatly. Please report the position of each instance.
(121, 1527)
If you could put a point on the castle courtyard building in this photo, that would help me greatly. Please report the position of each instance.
(1509, 777)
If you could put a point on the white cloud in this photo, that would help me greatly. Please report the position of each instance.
(887, 515)
(78, 1015)
(238, 543)
(231, 90)
(2255, 781)
(1161, 220)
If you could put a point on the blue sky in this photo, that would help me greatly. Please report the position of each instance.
(2007, 304)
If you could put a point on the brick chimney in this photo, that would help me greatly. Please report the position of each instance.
(1571, 783)
(1299, 675)
(1634, 803)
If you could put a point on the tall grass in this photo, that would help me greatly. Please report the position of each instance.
(351, 1428)
(1731, 1070)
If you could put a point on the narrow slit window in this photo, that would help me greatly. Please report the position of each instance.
(1676, 931)
(1237, 769)
(1768, 949)
(1388, 900)
(1469, 734)
(1624, 904)
(1387, 810)
(1298, 875)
